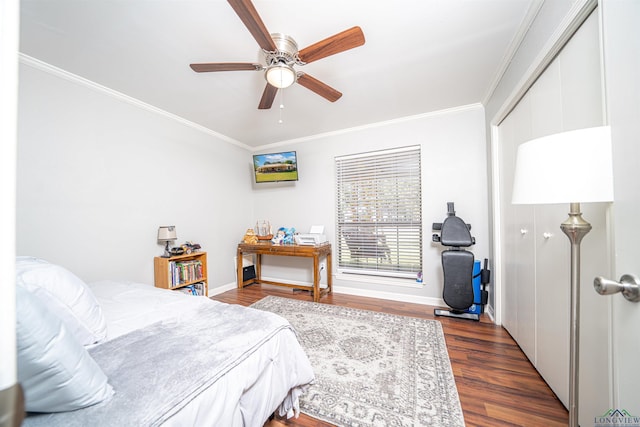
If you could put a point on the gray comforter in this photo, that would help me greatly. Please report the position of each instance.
(157, 370)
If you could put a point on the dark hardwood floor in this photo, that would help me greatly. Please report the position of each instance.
(496, 383)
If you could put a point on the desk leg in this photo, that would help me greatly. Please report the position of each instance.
(239, 269)
(316, 279)
(258, 268)
(329, 275)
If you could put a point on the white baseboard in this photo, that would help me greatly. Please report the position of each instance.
(221, 289)
(438, 302)
(357, 292)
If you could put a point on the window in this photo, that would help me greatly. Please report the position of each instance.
(379, 212)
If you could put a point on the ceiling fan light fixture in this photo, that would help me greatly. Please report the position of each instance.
(281, 75)
(281, 54)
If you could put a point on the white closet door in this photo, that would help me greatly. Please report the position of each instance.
(553, 298)
(507, 156)
(552, 256)
(525, 247)
(536, 266)
(518, 229)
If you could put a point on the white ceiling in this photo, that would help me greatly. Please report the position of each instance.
(419, 56)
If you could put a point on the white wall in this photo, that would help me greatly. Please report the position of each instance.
(453, 170)
(9, 13)
(97, 175)
(621, 20)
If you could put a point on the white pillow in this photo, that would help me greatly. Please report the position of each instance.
(66, 295)
(55, 371)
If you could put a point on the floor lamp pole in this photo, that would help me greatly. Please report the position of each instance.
(575, 227)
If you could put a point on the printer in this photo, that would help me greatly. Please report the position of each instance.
(315, 236)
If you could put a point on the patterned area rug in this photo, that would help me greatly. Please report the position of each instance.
(372, 369)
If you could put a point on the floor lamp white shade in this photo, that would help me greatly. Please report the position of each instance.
(566, 167)
(570, 167)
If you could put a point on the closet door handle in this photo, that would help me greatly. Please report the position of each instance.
(629, 286)
(523, 231)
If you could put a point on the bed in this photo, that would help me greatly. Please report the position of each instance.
(119, 353)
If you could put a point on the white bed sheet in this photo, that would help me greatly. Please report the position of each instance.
(246, 396)
(128, 305)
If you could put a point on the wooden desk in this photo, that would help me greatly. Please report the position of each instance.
(308, 251)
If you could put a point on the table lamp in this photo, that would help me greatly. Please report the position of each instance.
(166, 234)
(571, 167)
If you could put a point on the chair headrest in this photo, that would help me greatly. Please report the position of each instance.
(455, 233)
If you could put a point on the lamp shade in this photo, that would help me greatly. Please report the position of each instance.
(568, 167)
(167, 233)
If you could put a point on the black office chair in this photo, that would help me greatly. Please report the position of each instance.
(458, 266)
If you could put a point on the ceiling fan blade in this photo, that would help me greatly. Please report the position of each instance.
(225, 66)
(268, 96)
(348, 39)
(318, 87)
(249, 16)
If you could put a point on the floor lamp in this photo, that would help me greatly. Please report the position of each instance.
(571, 167)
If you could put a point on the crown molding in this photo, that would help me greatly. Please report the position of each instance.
(421, 116)
(579, 13)
(526, 24)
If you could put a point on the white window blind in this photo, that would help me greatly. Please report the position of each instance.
(379, 212)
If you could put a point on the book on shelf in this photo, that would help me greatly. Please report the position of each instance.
(196, 289)
(185, 290)
(200, 288)
(185, 271)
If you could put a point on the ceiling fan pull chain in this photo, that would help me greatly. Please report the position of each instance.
(281, 104)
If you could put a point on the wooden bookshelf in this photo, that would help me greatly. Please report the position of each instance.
(180, 271)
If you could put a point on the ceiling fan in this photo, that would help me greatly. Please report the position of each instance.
(281, 54)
